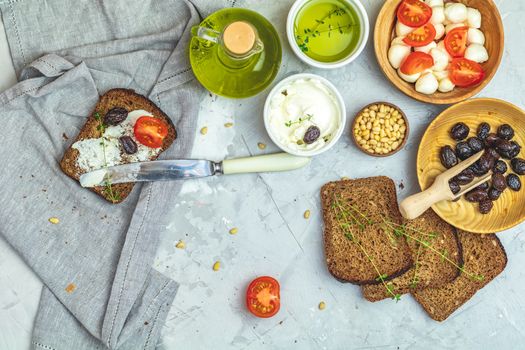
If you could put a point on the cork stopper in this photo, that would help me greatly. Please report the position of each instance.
(239, 37)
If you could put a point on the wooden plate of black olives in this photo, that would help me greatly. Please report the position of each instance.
(495, 127)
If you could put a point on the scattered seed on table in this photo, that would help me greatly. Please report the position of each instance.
(217, 266)
(70, 288)
(306, 214)
(180, 244)
(261, 145)
(322, 305)
(204, 130)
(228, 125)
(54, 220)
(234, 231)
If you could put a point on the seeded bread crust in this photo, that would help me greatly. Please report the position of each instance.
(129, 100)
(483, 255)
(432, 270)
(345, 260)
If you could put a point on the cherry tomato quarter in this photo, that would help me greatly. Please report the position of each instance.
(414, 13)
(416, 62)
(421, 36)
(456, 41)
(465, 73)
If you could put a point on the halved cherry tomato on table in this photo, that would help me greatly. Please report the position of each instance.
(456, 41)
(150, 131)
(416, 62)
(465, 73)
(262, 297)
(421, 36)
(414, 13)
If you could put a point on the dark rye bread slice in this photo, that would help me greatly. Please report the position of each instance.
(432, 269)
(129, 100)
(483, 255)
(375, 196)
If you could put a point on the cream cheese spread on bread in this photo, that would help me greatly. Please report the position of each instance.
(97, 153)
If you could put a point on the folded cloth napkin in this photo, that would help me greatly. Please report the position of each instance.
(100, 289)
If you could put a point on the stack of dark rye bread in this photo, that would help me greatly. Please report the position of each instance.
(368, 243)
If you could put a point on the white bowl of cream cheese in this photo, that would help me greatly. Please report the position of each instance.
(305, 115)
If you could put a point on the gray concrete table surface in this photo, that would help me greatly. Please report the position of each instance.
(274, 239)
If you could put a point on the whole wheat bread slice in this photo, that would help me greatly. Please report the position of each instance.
(430, 269)
(129, 100)
(483, 255)
(375, 196)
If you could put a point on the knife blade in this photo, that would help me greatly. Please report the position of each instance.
(180, 169)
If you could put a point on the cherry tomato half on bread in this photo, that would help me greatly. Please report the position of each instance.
(416, 62)
(414, 13)
(150, 131)
(421, 36)
(262, 297)
(456, 41)
(465, 73)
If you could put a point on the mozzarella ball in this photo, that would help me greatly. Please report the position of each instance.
(477, 53)
(456, 12)
(475, 36)
(440, 59)
(451, 26)
(473, 18)
(433, 3)
(440, 31)
(427, 84)
(441, 46)
(403, 30)
(438, 15)
(398, 40)
(440, 75)
(397, 54)
(446, 85)
(426, 48)
(408, 78)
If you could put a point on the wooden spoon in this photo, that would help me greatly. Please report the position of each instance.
(415, 205)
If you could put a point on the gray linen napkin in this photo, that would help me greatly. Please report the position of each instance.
(100, 290)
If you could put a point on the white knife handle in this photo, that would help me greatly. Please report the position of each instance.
(262, 164)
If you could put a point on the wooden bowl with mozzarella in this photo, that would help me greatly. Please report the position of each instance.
(387, 33)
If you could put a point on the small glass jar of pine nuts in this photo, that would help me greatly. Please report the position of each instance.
(380, 129)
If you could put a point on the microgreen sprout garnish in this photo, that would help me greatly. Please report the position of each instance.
(319, 29)
(108, 188)
(284, 92)
(300, 120)
(351, 221)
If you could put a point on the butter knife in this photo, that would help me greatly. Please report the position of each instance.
(181, 169)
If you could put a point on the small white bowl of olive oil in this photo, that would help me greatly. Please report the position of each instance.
(327, 33)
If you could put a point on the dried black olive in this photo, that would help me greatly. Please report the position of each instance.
(483, 130)
(476, 196)
(491, 140)
(465, 177)
(518, 165)
(514, 182)
(484, 186)
(494, 194)
(448, 157)
(115, 116)
(478, 169)
(486, 162)
(312, 134)
(485, 206)
(500, 167)
(493, 153)
(498, 182)
(475, 144)
(454, 187)
(504, 147)
(129, 146)
(513, 152)
(459, 131)
(506, 132)
(463, 151)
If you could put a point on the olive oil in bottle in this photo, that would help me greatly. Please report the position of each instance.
(235, 53)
